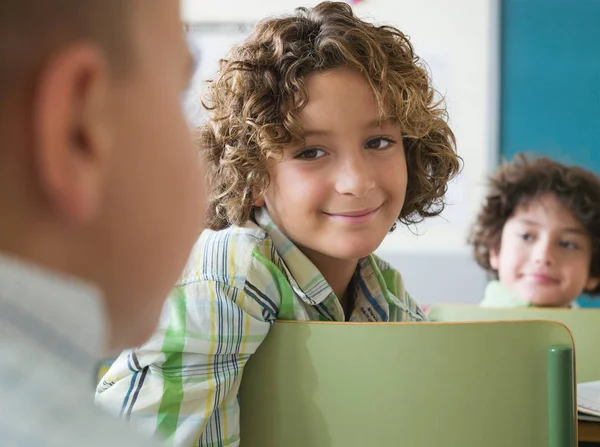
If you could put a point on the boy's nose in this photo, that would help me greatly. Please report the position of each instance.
(355, 177)
(544, 254)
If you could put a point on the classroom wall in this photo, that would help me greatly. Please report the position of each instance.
(459, 42)
(551, 80)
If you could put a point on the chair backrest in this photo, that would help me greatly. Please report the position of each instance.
(419, 385)
(584, 324)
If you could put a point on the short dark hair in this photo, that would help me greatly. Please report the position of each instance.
(525, 179)
(30, 30)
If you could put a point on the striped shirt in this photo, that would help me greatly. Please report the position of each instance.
(184, 382)
(51, 332)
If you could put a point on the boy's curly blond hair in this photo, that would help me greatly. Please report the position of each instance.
(260, 89)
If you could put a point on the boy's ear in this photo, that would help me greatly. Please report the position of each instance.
(71, 144)
(494, 259)
(591, 283)
(259, 199)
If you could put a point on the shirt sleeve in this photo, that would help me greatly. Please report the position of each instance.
(183, 384)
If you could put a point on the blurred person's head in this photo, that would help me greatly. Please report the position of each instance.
(99, 178)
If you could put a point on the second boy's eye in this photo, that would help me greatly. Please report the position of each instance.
(310, 154)
(568, 245)
(526, 236)
(379, 143)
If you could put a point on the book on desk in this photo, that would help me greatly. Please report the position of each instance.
(588, 401)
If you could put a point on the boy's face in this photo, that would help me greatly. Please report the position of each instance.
(153, 206)
(545, 254)
(338, 194)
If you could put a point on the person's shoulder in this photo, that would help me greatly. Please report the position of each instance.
(51, 403)
(84, 427)
(226, 256)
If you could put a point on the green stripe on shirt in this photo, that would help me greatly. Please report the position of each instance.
(173, 345)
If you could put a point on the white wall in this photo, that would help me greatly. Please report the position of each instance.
(458, 40)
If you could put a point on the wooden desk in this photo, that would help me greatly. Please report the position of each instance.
(588, 431)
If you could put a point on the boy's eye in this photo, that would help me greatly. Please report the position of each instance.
(526, 236)
(568, 245)
(379, 143)
(310, 154)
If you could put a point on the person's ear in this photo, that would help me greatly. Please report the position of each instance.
(494, 259)
(591, 283)
(259, 199)
(72, 131)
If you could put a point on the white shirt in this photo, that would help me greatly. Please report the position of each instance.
(51, 332)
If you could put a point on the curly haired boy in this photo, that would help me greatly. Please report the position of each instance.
(325, 132)
(538, 234)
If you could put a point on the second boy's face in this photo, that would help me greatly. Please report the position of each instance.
(545, 254)
(338, 194)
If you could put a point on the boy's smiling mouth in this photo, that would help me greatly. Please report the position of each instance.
(355, 216)
(541, 278)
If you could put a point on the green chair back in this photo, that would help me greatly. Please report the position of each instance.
(418, 385)
(584, 324)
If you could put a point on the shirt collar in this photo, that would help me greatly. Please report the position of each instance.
(497, 295)
(61, 315)
(371, 300)
(306, 280)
